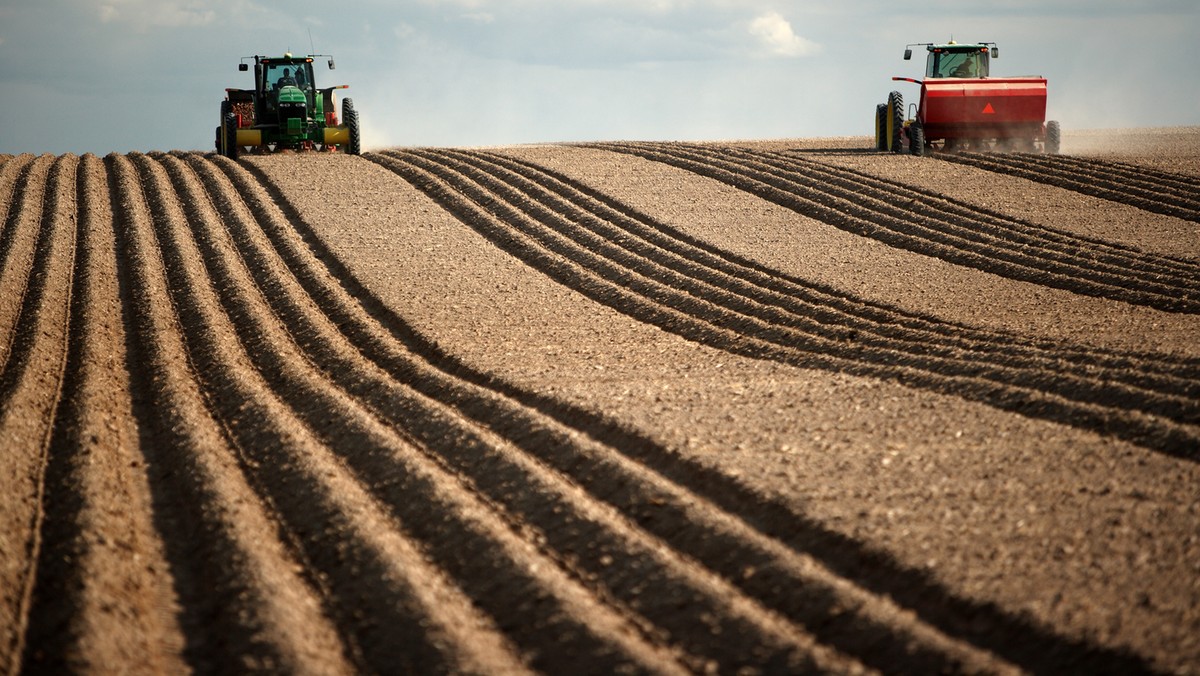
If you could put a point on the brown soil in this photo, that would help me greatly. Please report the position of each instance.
(787, 406)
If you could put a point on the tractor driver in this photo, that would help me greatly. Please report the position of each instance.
(968, 68)
(286, 80)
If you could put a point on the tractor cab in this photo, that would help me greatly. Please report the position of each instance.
(955, 60)
(286, 72)
(285, 92)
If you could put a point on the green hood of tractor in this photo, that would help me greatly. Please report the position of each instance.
(290, 94)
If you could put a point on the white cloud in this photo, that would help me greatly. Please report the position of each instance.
(776, 35)
(148, 14)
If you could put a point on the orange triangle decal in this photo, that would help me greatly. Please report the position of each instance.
(988, 110)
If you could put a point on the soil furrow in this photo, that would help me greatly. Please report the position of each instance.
(13, 175)
(1171, 395)
(18, 242)
(101, 597)
(631, 575)
(30, 390)
(1097, 182)
(1182, 183)
(557, 516)
(1150, 370)
(575, 527)
(833, 305)
(243, 602)
(1110, 257)
(554, 409)
(1002, 236)
(681, 535)
(915, 236)
(705, 320)
(1179, 185)
(409, 486)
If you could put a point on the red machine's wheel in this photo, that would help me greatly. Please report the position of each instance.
(1053, 138)
(895, 122)
(916, 139)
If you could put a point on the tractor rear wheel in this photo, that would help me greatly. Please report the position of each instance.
(1053, 138)
(895, 122)
(881, 127)
(350, 117)
(230, 127)
(226, 109)
(916, 139)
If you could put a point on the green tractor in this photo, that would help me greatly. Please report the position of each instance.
(285, 111)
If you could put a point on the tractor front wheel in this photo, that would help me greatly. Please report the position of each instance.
(350, 117)
(895, 122)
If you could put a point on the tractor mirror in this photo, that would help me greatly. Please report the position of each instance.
(995, 52)
(908, 54)
(331, 66)
(242, 66)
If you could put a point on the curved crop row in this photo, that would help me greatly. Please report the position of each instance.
(588, 246)
(937, 226)
(599, 533)
(36, 286)
(224, 454)
(1157, 191)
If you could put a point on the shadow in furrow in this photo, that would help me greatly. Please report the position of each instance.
(634, 244)
(17, 203)
(1157, 192)
(1090, 255)
(830, 306)
(982, 624)
(964, 245)
(277, 454)
(527, 493)
(32, 380)
(51, 639)
(511, 593)
(219, 619)
(27, 331)
(700, 319)
(19, 242)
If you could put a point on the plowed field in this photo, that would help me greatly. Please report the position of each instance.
(779, 407)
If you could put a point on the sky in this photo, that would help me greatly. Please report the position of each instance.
(104, 76)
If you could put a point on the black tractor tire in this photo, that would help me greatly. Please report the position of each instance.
(226, 109)
(1053, 138)
(895, 122)
(350, 117)
(881, 127)
(231, 146)
(916, 139)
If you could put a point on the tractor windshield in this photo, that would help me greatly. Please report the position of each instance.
(279, 75)
(959, 62)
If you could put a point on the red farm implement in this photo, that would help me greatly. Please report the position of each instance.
(963, 108)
